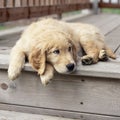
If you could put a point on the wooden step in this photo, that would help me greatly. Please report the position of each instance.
(90, 92)
(11, 115)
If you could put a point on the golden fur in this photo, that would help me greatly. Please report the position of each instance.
(51, 44)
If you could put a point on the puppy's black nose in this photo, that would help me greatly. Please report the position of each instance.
(70, 67)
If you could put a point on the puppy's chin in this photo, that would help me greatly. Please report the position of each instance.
(61, 71)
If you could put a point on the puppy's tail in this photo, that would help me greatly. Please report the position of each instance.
(110, 53)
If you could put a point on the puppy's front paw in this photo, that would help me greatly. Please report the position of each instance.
(13, 73)
(87, 60)
(48, 75)
(45, 80)
(103, 55)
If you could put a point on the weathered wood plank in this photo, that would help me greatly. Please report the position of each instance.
(58, 113)
(5, 50)
(108, 27)
(9, 41)
(11, 115)
(118, 51)
(108, 69)
(97, 20)
(76, 93)
(113, 39)
(105, 22)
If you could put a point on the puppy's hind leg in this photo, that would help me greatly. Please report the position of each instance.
(110, 53)
(106, 53)
(92, 52)
(17, 60)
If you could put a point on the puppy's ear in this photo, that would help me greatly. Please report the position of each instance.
(73, 38)
(37, 59)
(74, 52)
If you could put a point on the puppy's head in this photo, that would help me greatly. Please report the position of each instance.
(57, 49)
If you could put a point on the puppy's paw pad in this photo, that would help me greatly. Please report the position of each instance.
(87, 60)
(103, 56)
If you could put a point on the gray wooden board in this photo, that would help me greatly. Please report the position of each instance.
(113, 39)
(109, 69)
(5, 50)
(94, 18)
(11, 115)
(118, 51)
(67, 93)
(58, 113)
(9, 41)
(108, 27)
(101, 21)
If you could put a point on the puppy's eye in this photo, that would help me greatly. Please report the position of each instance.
(56, 51)
(69, 49)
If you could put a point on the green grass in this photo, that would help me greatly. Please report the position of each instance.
(111, 10)
(2, 27)
(72, 13)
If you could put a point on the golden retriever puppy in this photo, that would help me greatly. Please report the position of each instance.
(51, 44)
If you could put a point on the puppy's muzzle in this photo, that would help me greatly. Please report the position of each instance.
(70, 67)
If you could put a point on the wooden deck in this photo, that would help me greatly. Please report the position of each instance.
(11, 115)
(92, 93)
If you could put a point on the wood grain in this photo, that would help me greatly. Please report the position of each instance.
(66, 92)
(58, 113)
(11, 115)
